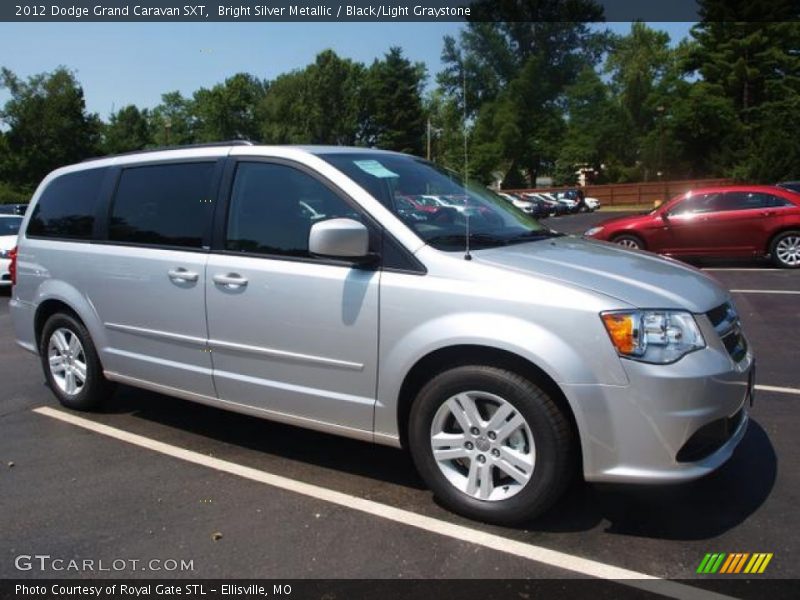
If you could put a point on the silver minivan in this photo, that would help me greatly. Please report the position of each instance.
(311, 286)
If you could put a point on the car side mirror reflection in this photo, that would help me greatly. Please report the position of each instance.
(340, 238)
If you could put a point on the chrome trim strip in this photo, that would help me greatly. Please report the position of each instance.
(27, 346)
(154, 333)
(285, 355)
(387, 439)
(342, 430)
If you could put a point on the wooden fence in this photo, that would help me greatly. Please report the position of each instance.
(636, 193)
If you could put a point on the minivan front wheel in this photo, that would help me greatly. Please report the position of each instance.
(70, 363)
(491, 444)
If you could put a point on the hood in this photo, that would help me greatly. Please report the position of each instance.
(624, 220)
(640, 279)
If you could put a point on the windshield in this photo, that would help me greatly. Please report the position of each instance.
(437, 204)
(10, 225)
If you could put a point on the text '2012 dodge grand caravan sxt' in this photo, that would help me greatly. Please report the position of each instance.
(303, 284)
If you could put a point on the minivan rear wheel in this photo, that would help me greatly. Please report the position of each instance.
(491, 444)
(71, 366)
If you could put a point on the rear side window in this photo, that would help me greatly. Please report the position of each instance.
(752, 200)
(163, 205)
(67, 206)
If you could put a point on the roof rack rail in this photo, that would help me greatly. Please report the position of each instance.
(183, 147)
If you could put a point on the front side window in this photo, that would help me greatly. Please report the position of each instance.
(698, 204)
(163, 205)
(67, 206)
(437, 204)
(273, 207)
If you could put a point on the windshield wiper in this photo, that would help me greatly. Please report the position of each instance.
(533, 236)
(480, 239)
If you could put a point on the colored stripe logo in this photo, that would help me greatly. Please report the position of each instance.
(735, 562)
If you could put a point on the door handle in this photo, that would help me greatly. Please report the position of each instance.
(181, 274)
(231, 280)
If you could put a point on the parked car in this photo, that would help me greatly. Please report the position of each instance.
(583, 203)
(13, 209)
(556, 208)
(734, 221)
(592, 204)
(9, 226)
(531, 206)
(505, 357)
(790, 185)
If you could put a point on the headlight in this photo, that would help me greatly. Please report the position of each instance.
(593, 231)
(5, 253)
(653, 336)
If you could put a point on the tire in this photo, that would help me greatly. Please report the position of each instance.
(630, 241)
(64, 337)
(785, 250)
(533, 432)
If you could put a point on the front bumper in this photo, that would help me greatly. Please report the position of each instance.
(671, 423)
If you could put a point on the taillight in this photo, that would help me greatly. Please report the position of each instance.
(12, 267)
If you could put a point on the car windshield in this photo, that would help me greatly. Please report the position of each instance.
(437, 204)
(10, 225)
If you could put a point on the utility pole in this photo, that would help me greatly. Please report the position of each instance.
(429, 138)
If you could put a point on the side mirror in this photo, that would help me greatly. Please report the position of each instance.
(340, 238)
(665, 217)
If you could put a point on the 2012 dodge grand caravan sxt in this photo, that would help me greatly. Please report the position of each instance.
(301, 284)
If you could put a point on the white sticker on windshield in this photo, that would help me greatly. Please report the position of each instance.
(374, 168)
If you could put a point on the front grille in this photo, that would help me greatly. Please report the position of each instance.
(709, 438)
(727, 325)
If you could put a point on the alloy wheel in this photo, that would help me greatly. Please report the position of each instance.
(788, 250)
(67, 361)
(483, 445)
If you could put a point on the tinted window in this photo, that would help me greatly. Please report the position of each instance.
(67, 206)
(273, 207)
(164, 205)
(750, 200)
(10, 225)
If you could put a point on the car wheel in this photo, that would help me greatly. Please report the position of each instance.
(785, 249)
(71, 366)
(629, 241)
(491, 444)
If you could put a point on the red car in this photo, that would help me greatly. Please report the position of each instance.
(731, 221)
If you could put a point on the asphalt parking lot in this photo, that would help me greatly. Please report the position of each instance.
(74, 492)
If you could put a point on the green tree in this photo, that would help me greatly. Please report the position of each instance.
(510, 68)
(395, 119)
(127, 130)
(173, 122)
(47, 126)
(637, 63)
(598, 132)
(227, 111)
(321, 104)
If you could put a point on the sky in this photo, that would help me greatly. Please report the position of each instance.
(134, 63)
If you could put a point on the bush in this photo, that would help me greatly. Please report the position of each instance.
(12, 195)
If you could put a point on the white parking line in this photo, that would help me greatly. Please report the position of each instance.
(553, 558)
(779, 390)
(791, 292)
